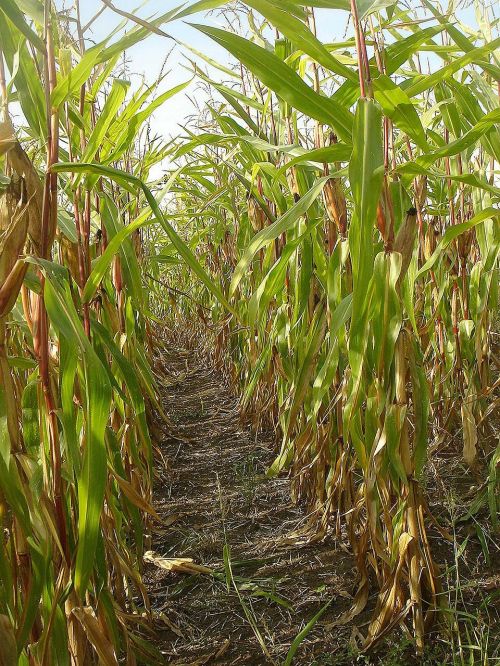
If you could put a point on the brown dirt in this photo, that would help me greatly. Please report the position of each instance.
(212, 487)
(211, 493)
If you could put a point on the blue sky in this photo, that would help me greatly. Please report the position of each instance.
(146, 59)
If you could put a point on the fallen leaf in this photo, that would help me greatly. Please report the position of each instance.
(176, 564)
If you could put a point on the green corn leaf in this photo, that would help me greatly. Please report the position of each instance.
(271, 284)
(300, 35)
(425, 81)
(365, 175)
(12, 11)
(102, 264)
(25, 77)
(67, 374)
(92, 479)
(275, 74)
(32, 8)
(136, 35)
(320, 156)
(365, 7)
(461, 40)
(487, 122)
(31, 429)
(77, 76)
(126, 139)
(129, 374)
(268, 234)
(304, 633)
(420, 406)
(199, 6)
(316, 337)
(180, 245)
(113, 102)
(393, 424)
(386, 309)
(397, 105)
(129, 263)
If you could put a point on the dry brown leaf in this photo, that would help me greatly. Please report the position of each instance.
(358, 605)
(372, 640)
(176, 564)
(335, 204)
(131, 493)
(7, 137)
(20, 162)
(405, 241)
(404, 541)
(173, 627)
(223, 649)
(8, 645)
(11, 286)
(469, 433)
(170, 520)
(96, 636)
(206, 658)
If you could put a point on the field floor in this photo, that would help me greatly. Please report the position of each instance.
(213, 497)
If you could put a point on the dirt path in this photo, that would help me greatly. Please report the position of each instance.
(211, 489)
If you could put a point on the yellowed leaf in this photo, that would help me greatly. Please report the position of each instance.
(131, 494)
(96, 636)
(404, 541)
(8, 646)
(7, 137)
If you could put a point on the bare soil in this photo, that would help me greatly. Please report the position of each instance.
(212, 495)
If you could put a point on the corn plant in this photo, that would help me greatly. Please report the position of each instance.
(345, 203)
(332, 221)
(76, 385)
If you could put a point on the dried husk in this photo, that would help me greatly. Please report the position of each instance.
(7, 137)
(21, 164)
(429, 241)
(13, 225)
(256, 215)
(13, 232)
(335, 204)
(405, 241)
(69, 255)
